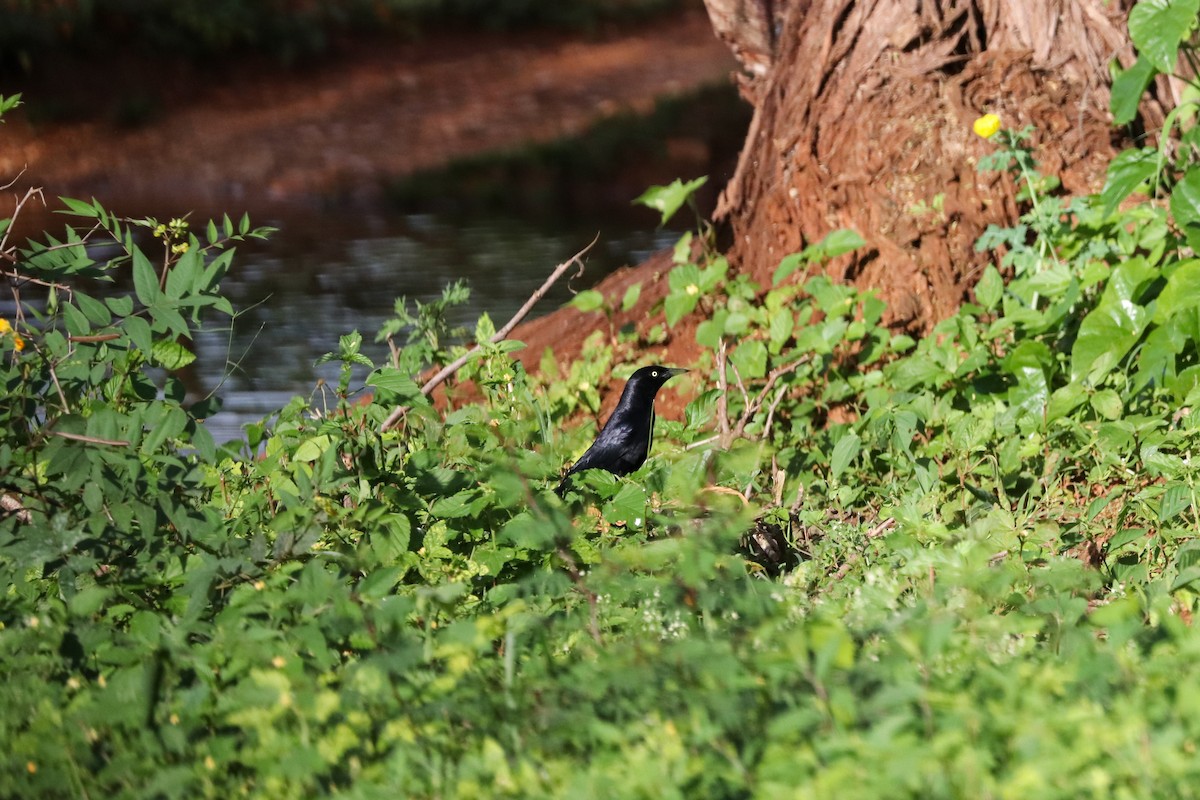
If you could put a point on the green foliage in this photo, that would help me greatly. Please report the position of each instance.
(993, 528)
(668, 199)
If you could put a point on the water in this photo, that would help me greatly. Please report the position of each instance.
(320, 280)
(502, 222)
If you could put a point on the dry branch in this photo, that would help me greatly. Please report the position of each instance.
(431, 384)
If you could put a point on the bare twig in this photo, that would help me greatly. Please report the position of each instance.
(79, 437)
(780, 478)
(21, 201)
(766, 432)
(702, 442)
(725, 438)
(431, 384)
(94, 338)
(714, 489)
(13, 182)
(18, 277)
(881, 528)
(752, 407)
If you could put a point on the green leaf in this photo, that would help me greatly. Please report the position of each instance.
(1185, 205)
(96, 312)
(1185, 578)
(632, 295)
(750, 358)
(1174, 501)
(990, 287)
(698, 412)
(170, 354)
(77, 322)
(379, 582)
(1129, 170)
(1105, 336)
(712, 275)
(1127, 89)
(835, 243)
(121, 306)
(668, 199)
(1064, 400)
(312, 449)
(485, 329)
(844, 452)
(789, 264)
(395, 380)
(588, 300)
(627, 506)
(1158, 26)
(138, 331)
(1027, 364)
(1109, 331)
(145, 280)
(1181, 292)
(678, 305)
(1107, 404)
(79, 208)
(183, 275)
(839, 242)
(456, 505)
(783, 322)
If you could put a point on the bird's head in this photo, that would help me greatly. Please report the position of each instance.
(654, 376)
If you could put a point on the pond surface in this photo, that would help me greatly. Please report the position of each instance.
(501, 222)
(316, 281)
(300, 297)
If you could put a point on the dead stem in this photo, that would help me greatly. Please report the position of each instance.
(399, 412)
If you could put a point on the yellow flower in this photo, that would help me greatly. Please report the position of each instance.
(6, 329)
(987, 125)
(182, 247)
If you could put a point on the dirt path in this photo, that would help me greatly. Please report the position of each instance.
(275, 136)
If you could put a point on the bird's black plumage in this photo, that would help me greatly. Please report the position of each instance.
(624, 441)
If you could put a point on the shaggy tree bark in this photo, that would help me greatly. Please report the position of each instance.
(863, 112)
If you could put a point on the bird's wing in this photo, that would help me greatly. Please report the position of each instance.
(619, 448)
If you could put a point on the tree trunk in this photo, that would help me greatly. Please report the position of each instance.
(863, 112)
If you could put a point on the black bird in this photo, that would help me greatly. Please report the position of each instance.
(624, 441)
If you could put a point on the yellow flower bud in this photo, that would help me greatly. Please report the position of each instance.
(987, 126)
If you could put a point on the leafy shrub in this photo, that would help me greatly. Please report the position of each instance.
(995, 530)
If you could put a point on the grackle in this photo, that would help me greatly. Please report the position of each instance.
(625, 439)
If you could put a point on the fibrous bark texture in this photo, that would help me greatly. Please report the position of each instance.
(863, 112)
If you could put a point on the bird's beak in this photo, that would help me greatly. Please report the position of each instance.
(673, 371)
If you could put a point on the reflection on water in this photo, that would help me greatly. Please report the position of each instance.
(502, 222)
(324, 278)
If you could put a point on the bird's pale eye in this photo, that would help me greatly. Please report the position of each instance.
(654, 374)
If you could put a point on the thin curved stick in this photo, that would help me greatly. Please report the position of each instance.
(453, 367)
